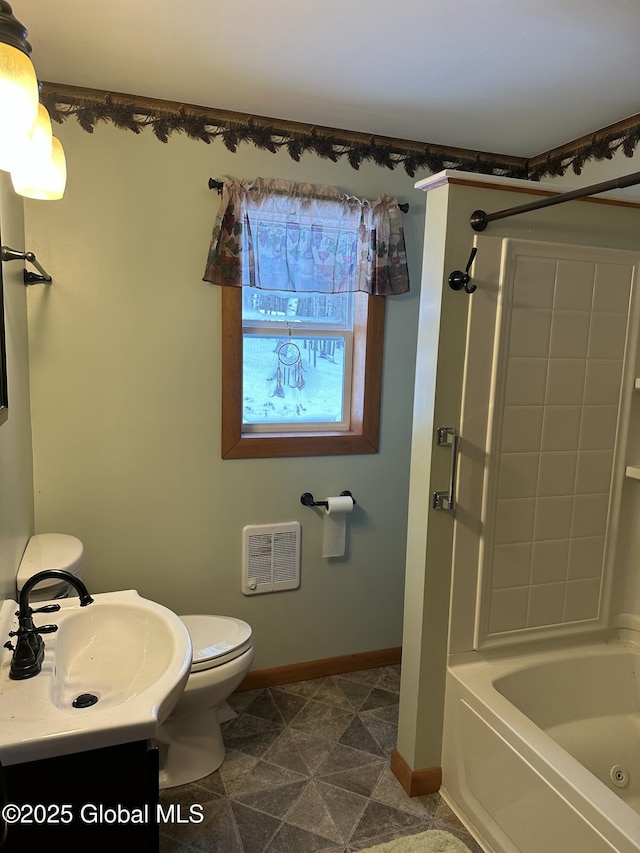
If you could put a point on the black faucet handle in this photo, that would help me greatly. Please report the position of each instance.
(46, 608)
(43, 629)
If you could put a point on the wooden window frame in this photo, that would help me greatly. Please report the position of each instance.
(366, 390)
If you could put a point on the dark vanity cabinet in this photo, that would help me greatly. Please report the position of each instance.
(97, 799)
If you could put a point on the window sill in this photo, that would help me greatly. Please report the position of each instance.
(294, 444)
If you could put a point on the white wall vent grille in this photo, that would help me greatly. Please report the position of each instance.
(270, 557)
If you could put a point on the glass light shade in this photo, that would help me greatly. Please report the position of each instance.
(40, 144)
(45, 181)
(18, 103)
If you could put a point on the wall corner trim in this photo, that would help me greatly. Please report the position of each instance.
(415, 782)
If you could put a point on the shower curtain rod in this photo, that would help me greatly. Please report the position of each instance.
(479, 219)
(218, 185)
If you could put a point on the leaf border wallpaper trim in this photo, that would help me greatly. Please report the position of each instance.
(91, 107)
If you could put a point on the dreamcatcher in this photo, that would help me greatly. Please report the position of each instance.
(290, 371)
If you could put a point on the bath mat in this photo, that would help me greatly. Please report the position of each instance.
(431, 841)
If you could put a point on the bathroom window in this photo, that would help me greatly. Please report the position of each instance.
(305, 271)
(346, 361)
(296, 361)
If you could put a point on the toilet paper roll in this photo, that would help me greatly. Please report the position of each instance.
(334, 530)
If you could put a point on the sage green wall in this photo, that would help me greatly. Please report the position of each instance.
(429, 553)
(125, 379)
(16, 476)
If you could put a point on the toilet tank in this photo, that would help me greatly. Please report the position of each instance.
(50, 551)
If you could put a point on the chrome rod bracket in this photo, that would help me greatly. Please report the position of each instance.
(448, 437)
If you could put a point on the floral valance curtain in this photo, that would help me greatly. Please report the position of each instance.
(280, 235)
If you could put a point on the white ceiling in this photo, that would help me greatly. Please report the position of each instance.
(503, 76)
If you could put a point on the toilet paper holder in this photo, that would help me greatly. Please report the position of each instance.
(307, 499)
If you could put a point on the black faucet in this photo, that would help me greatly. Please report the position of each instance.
(28, 652)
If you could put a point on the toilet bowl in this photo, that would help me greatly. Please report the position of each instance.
(190, 739)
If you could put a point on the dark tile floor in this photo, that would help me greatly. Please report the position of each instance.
(307, 771)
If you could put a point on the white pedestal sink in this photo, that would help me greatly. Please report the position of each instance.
(132, 656)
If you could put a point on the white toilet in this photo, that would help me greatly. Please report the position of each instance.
(50, 551)
(190, 740)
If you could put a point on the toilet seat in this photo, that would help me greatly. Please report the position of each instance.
(216, 640)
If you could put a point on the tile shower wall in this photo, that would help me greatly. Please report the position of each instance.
(563, 352)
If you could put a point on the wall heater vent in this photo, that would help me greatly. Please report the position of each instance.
(270, 557)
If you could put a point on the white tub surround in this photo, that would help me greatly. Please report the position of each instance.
(536, 370)
(549, 388)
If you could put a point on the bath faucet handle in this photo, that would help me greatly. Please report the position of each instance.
(44, 629)
(46, 608)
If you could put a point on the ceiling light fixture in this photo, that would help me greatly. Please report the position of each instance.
(27, 148)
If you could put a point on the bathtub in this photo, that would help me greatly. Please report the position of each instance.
(541, 751)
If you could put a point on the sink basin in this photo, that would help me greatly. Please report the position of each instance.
(111, 650)
(111, 674)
